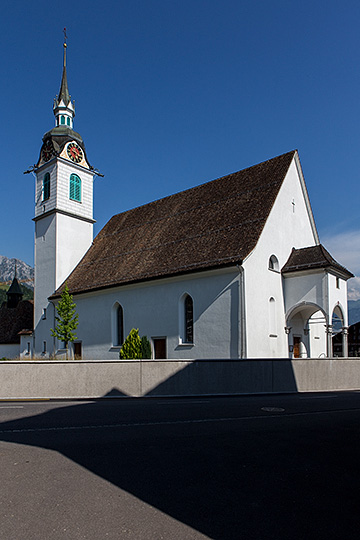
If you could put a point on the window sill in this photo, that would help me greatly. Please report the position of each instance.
(115, 347)
(186, 345)
(274, 270)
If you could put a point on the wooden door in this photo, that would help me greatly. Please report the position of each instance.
(77, 351)
(297, 341)
(159, 347)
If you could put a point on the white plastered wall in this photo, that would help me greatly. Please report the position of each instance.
(62, 238)
(290, 224)
(153, 307)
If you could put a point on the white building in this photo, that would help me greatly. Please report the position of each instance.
(229, 269)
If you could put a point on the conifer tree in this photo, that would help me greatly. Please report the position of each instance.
(145, 348)
(131, 348)
(67, 319)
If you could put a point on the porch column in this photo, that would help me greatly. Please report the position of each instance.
(329, 341)
(345, 341)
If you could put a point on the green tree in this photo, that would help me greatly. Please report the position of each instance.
(67, 319)
(145, 347)
(131, 348)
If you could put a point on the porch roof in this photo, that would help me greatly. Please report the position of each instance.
(312, 258)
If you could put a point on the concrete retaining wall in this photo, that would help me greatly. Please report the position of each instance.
(90, 379)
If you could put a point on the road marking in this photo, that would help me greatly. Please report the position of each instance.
(319, 397)
(182, 402)
(272, 409)
(172, 422)
(11, 407)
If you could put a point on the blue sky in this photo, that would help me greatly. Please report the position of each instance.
(172, 93)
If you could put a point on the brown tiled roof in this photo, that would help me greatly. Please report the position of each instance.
(311, 258)
(13, 320)
(209, 226)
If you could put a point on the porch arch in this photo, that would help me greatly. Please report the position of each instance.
(339, 331)
(307, 326)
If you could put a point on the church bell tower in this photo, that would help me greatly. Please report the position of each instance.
(63, 212)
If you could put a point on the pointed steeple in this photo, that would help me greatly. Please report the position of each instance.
(64, 90)
(64, 108)
(14, 294)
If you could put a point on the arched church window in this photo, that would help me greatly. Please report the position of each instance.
(68, 121)
(120, 325)
(189, 319)
(63, 120)
(75, 188)
(117, 325)
(46, 186)
(273, 263)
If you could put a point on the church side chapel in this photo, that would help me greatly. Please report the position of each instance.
(16, 318)
(232, 268)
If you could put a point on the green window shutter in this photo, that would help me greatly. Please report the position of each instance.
(46, 186)
(75, 188)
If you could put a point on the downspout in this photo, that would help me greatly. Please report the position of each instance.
(242, 314)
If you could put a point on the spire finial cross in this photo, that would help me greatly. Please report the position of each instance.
(65, 45)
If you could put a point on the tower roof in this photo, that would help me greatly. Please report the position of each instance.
(14, 288)
(64, 90)
(64, 95)
(64, 108)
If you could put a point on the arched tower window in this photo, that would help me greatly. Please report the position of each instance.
(189, 319)
(117, 325)
(75, 188)
(273, 263)
(46, 187)
(62, 120)
(68, 121)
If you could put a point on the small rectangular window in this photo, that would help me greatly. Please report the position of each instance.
(28, 350)
(44, 313)
(338, 283)
(44, 347)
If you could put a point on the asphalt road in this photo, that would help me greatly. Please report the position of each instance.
(251, 467)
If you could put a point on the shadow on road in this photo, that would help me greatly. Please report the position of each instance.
(255, 480)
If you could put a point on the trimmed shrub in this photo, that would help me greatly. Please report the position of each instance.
(131, 348)
(145, 347)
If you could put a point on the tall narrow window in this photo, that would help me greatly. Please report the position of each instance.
(63, 120)
(189, 319)
(117, 325)
(272, 318)
(75, 188)
(68, 121)
(120, 325)
(46, 186)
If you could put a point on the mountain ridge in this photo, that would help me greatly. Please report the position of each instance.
(24, 272)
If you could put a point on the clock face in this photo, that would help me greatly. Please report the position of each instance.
(74, 152)
(47, 151)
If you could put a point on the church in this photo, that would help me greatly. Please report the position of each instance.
(232, 268)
